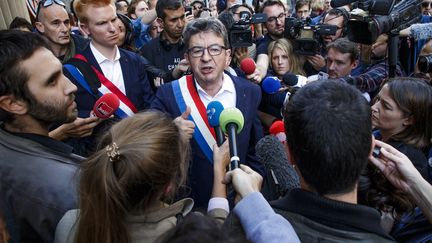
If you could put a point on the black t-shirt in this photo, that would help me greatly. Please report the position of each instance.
(163, 58)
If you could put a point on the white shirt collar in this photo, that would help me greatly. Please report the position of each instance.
(227, 85)
(101, 58)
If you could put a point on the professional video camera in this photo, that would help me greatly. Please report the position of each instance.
(383, 17)
(240, 33)
(307, 37)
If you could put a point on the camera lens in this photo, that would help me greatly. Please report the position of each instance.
(425, 64)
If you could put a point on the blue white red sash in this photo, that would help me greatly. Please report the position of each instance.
(126, 107)
(186, 95)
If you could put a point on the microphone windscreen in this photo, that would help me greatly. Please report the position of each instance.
(270, 85)
(277, 127)
(231, 115)
(290, 79)
(214, 110)
(272, 154)
(106, 105)
(248, 65)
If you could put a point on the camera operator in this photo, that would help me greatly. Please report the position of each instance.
(423, 68)
(275, 25)
(370, 81)
(339, 18)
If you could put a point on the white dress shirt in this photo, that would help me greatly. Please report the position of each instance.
(110, 68)
(226, 95)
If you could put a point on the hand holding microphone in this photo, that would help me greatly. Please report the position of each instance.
(231, 121)
(249, 67)
(105, 106)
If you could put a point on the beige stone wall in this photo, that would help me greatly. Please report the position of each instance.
(9, 9)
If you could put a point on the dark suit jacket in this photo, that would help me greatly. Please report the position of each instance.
(200, 169)
(137, 88)
(136, 83)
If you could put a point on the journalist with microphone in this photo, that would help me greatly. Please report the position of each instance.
(186, 99)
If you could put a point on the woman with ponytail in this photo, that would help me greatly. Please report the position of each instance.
(126, 186)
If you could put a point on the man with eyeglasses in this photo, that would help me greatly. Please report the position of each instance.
(52, 22)
(186, 99)
(275, 11)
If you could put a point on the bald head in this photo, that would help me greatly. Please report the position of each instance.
(53, 23)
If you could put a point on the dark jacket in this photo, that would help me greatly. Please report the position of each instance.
(37, 184)
(201, 169)
(319, 219)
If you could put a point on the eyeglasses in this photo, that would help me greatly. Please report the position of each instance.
(46, 3)
(274, 18)
(213, 50)
(426, 4)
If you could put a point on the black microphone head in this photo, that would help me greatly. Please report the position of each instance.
(290, 79)
(271, 153)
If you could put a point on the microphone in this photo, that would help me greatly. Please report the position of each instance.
(280, 173)
(248, 65)
(340, 3)
(214, 110)
(277, 129)
(290, 79)
(106, 105)
(231, 120)
(270, 85)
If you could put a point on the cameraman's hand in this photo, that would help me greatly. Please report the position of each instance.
(245, 180)
(318, 62)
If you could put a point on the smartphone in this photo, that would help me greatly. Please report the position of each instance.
(188, 10)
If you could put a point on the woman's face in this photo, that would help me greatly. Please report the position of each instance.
(280, 61)
(386, 115)
(122, 33)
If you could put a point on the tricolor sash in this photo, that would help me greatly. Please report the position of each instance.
(126, 107)
(186, 95)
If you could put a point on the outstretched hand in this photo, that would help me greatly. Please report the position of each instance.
(395, 166)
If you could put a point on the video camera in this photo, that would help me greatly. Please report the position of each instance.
(307, 37)
(365, 27)
(240, 33)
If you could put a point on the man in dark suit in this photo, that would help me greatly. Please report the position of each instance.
(124, 70)
(208, 54)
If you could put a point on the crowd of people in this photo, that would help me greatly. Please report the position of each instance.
(351, 162)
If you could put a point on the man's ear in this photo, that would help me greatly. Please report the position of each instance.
(355, 64)
(228, 58)
(40, 27)
(85, 28)
(10, 104)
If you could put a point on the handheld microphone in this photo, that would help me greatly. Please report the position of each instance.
(277, 129)
(106, 105)
(214, 110)
(270, 85)
(290, 79)
(231, 120)
(281, 175)
(248, 65)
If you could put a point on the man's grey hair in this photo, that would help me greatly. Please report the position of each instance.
(205, 25)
